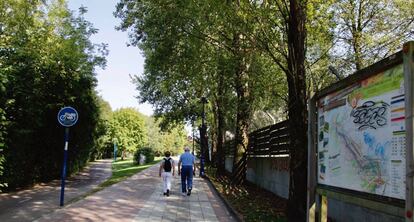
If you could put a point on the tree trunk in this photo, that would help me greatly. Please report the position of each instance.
(243, 111)
(241, 137)
(356, 38)
(297, 111)
(213, 133)
(220, 127)
(243, 104)
(357, 51)
(220, 147)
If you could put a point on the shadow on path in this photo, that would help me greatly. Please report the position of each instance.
(139, 198)
(28, 205)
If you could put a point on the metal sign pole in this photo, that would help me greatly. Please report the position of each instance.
(65, 158)
(408, 50)
(203, 146)
(67, 117)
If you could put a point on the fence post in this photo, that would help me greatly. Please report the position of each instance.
(408, 53)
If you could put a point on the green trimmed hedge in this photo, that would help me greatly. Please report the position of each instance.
(148, 152)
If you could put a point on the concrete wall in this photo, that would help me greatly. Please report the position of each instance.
(229, 164)
(267, 173)
(340, 211)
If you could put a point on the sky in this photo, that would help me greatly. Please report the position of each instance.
(114, 82)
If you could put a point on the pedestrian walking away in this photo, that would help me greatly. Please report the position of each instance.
(166, 167)
(186, 168)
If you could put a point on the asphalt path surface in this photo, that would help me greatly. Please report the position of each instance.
(42, 199)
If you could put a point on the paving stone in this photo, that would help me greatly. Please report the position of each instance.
(140, 199)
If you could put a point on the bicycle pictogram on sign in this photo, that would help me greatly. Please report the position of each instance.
(67, 116)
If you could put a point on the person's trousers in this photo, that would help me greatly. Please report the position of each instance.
(166, 179)
(186, 178)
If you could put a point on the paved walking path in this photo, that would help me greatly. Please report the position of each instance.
(196, 207)
(139, 198)
(28, 205)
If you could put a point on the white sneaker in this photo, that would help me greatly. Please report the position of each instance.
(184, 193)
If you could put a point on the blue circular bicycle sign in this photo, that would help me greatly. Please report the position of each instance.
(67, 116)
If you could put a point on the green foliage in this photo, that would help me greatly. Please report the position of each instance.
(46, 62)
(3, 125)
(104, 144)
(148, 152)
(160, 141)
(121, 126)
(369, 30)
(319, 43)
(2, 185)
(154, 135)
(205, 52)
(174, 140)
(127, 127)
(256, 57)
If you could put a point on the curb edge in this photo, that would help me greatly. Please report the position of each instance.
(230, 208)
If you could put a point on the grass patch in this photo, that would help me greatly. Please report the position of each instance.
(249, 200)
(125, 168)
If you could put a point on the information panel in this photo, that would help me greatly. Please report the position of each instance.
(361, 136)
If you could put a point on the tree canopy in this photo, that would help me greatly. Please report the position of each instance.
(256, 61)
(126, 127)
(161, 141)
(46, 62)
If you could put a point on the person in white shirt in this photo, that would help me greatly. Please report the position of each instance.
(167, 166)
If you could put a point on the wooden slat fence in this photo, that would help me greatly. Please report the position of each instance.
(268, 141)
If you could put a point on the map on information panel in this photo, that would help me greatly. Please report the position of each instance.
(361, 136)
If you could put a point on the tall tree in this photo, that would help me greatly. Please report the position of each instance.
(104, 143)
(369, 30)
(296, 78)
(48, 62)
(154, 135)
(221, 95)
(127, 126)
(181, 62)
(281, 34)
(4, 48)
(172, 140)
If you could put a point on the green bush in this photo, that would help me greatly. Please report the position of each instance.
(148, 152)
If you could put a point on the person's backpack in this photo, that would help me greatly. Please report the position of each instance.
(167, 165)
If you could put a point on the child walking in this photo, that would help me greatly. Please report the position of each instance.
(167, 165)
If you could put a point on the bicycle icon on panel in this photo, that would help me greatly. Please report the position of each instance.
(67, 116)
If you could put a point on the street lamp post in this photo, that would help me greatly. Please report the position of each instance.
(192, 129)
(203, 138)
